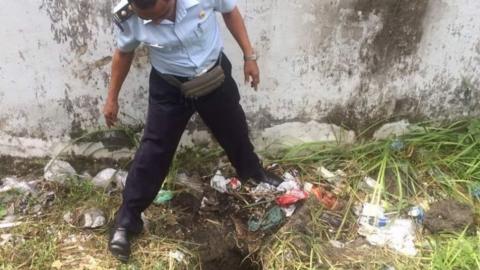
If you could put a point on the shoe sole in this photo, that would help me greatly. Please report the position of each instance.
(117, 254)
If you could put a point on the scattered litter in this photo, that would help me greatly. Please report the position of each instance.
(71, 239)
(328, 199)
(191, 183)
(332, 220)
(207, 203)
(204, 202)
(219, 182)
(417, 213)
(449, 216)
(357, 208)
(399, 235)
(5, 238)
(47, 198)
(146, 222)
(288, 176)
(223, 185)
(475, 190)
(291, 197)
(340, 188)
(37, 209)
(336, 244)
(262, 191)
(368, 183)
(9, 222)
(372, 214)
(163, 197)
(93, 218)
(382, 222)
(234, 184)
(307, 187)
(402, 237)
(372, 210)
(332, 178)
(289, 210)
(177, 255)
(341, 174)
(11, 239)
(105, 177)
(397, 145)
(121, 179)
(68, 217)
(272, 166)
(7, 225)
(270, 220)
(58, 171)
(288, 185)
(327, 175)
(12, 183)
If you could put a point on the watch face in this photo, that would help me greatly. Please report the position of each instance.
(122, 12)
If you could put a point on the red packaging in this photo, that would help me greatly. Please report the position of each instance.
(328, 199)
(291, 197)
(234, 184)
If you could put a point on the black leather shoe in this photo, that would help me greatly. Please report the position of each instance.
(119, 244)
(269, 178)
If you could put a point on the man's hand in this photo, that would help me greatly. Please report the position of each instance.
(252, 73)
(234, 22)
(121, 63)
(110, 111)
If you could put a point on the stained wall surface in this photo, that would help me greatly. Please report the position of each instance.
(324, 64)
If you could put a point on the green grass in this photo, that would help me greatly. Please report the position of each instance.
(44, 253)
(3, 211)
(436, 161)
(450, 252)
(48, 243)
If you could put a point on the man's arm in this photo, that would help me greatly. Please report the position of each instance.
(234, 22)
(121, 63)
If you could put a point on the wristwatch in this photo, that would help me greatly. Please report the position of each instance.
(252, 57)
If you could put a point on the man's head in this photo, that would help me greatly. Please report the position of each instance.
(155, 10)
(143, 4)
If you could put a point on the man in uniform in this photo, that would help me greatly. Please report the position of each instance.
(190, 74)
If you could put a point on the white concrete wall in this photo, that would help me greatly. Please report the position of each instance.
(350, 63)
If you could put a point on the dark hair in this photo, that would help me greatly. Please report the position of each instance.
(143, 4)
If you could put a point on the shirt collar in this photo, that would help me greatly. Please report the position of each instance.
(181, 12)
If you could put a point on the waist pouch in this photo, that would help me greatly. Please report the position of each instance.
(198, 86)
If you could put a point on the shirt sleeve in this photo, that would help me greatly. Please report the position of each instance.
(225, 6)
(126, 41)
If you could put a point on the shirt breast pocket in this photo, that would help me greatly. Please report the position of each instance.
(202, 26)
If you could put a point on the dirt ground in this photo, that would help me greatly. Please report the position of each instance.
(214, 226)
(449, 216)
(10, 166)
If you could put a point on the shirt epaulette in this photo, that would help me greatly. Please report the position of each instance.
(122, 12)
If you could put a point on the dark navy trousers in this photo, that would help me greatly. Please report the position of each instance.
(168, 114)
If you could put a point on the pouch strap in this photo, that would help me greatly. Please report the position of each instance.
(173, 80)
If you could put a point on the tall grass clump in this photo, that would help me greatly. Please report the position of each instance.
(432, 161)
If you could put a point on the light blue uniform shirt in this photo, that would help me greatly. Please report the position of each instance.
(186, 47)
